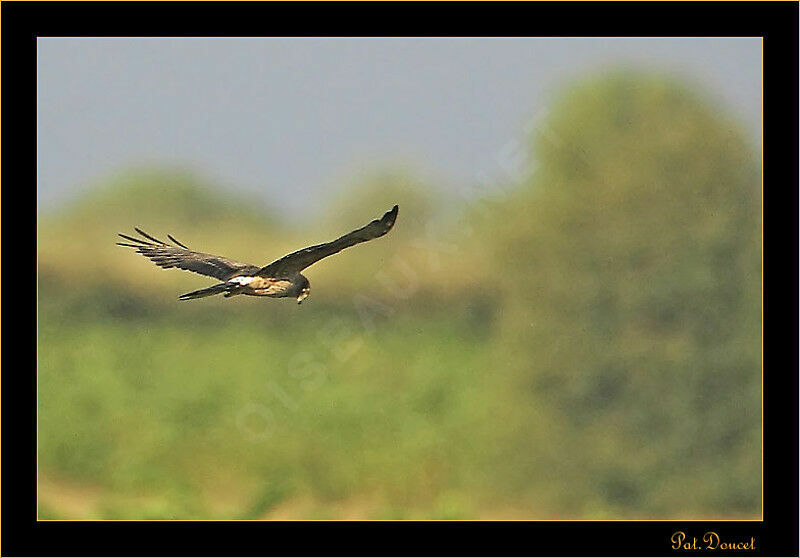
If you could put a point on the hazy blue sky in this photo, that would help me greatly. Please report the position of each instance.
(290, 118)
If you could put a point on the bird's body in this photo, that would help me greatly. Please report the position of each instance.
(281, 278)
(254, 286)
(269, 286)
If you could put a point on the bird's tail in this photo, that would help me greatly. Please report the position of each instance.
(208, 291)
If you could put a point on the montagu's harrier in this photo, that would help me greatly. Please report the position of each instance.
(279, 279)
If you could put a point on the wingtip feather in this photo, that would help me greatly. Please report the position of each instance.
(391, 216)
(175, 240)
(144, 234)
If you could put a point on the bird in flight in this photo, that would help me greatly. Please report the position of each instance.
(281, 278)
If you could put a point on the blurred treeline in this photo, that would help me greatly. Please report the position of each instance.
(581, 343)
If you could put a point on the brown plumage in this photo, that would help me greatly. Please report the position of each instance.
(281, 278)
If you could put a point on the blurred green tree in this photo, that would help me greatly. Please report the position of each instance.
(369, 194)
(631, 322)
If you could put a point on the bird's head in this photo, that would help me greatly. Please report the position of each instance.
(305, 289)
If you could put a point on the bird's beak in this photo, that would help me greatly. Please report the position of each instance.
(302, 297)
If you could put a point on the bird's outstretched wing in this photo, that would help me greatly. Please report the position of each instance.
(167, 256)
(298, 261)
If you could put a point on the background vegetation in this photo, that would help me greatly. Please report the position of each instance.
(585, 344)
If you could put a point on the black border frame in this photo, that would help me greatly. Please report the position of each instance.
(22, 22)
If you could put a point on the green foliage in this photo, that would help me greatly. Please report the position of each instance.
(383, 189)
(163, 195)
(632, 314)
(176, 416)
(587, 346)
